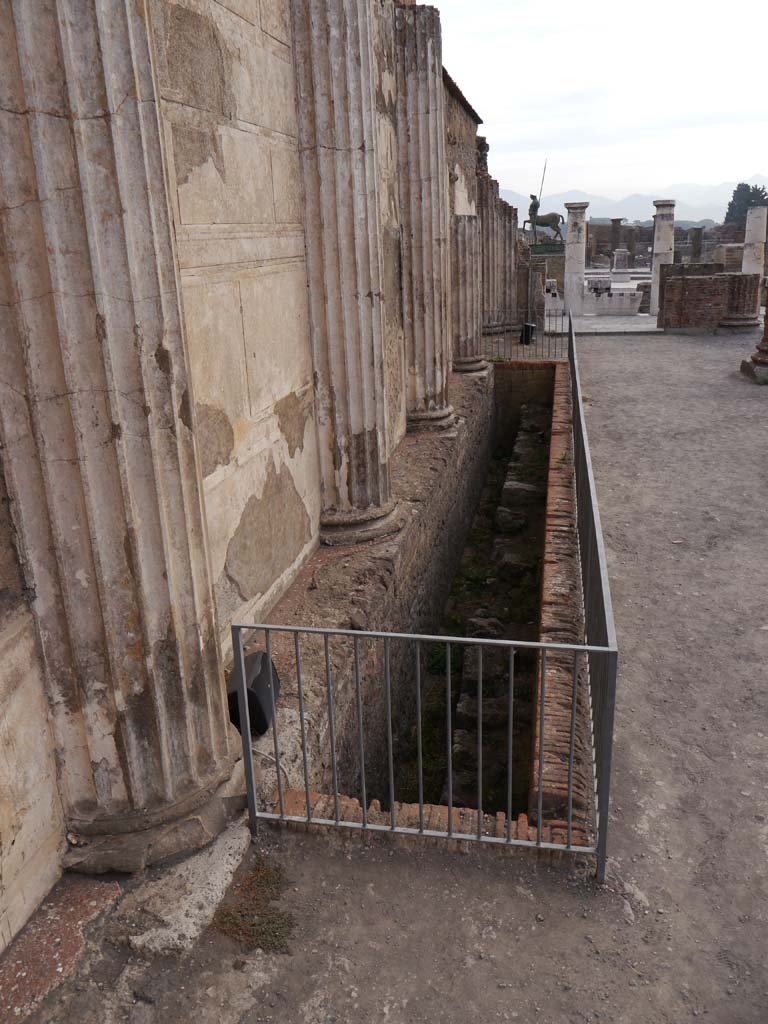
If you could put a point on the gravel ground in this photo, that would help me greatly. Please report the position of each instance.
(382, 933)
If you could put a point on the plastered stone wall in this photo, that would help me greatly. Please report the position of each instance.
(31, 820)
(226, 81)
(461, 152)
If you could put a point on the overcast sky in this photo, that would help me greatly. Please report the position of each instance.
(621, 97)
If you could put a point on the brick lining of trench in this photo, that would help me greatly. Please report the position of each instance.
(562, 621)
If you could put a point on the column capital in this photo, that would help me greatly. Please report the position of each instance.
(576, 208)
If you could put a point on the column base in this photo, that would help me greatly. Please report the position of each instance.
(758, 372)
(740, 322)
(360, 525)
(128, 852)
(432, 419)
(470, 364)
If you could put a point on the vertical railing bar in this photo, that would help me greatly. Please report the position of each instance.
(302, 723)
(390, 754)
(449, 730)
(572, 745)
(510, 734)
(361, 740)
(275, 740)
(331, 727)
(606, 756)
(418, 737)
(480, 742)
(540, 795)
(245, 730)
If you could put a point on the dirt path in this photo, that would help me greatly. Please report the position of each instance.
(680, 445)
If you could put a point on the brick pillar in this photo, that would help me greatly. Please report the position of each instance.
(663, 245)
(423, 216)
(333, 56)
(97, 427)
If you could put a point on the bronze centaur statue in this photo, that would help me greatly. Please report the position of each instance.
(544, 220)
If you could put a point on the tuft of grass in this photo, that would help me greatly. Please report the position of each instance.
(249, 915)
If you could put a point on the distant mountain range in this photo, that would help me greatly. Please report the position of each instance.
(694, 202)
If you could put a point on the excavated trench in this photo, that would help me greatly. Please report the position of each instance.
(495, 593)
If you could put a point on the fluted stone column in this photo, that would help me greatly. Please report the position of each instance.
(575, 257)
(96, 424)
(333, 55)
(423, 216)
(663, 245)
(485, 206)
(467, 295)
(753, 261)
(509, 268)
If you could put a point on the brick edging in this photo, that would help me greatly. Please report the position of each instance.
(561, 621)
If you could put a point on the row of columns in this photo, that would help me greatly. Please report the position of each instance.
(97, 412)
(498, 221)
(338, 141)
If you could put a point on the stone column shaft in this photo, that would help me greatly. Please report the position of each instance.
(697, 237)
(96, 421)
(467, 304)
(616, 233)
(484, 209)
(423, 215)
(753, 261)
(510, 269)
(663, 245)
(498, 256)
(333, 55)
(575, 257)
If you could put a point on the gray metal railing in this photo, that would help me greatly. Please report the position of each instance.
(598, 609)
(353, 695)
(549, 340)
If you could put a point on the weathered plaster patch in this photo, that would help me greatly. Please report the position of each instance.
(198, 62)
(12, 593)
(271, 533)
(215, 437)
(291, 418)
(193, 148)
(464, 205)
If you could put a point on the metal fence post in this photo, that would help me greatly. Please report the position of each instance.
(605, 762)
(245, 730)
